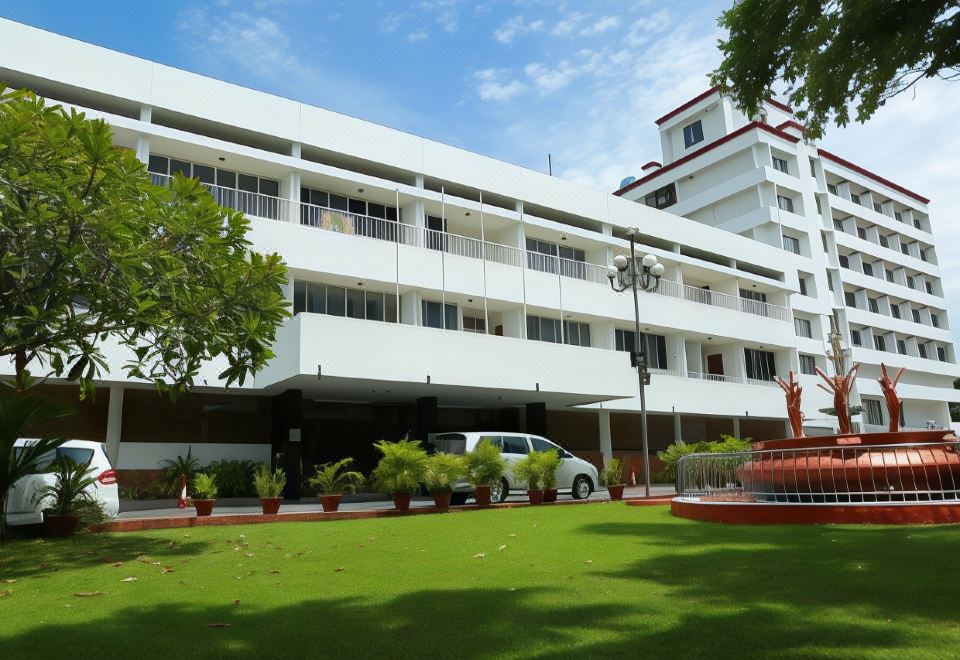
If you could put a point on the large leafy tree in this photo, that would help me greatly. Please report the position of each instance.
(93, 254)
(832, 54)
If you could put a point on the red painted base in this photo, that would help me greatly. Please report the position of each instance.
(752, 513)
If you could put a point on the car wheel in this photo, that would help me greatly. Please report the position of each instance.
(582, 487)
(458, 499)
(499, 492)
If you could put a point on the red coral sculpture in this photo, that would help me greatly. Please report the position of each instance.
(793, 391)
(889, 388)
(840, 387)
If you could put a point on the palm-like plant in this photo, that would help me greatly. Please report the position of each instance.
(182, 466)
(334, 479)
(485, 465)
(549, 464)
(402, 468)
(612, 474)
(205, 486)
(443, 471)
(530, 470)
(269, 484)
(67, 494)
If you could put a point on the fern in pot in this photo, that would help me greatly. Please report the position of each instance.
(205, 493)
(612, 477)
(269, 486)
(331, 480)
(485, 468)
(529, 470)
(549, 465)
(64, 499)
(401, 470)
(443, 471)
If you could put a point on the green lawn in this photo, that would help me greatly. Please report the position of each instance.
(572, 581)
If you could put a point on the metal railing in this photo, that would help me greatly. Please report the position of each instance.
(904, 472)
(725, 378)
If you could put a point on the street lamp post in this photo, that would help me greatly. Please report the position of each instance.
(623, 275)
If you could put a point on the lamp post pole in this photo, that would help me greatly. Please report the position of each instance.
(644, 276)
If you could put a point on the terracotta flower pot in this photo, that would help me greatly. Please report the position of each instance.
(549, 495)
(482, 495)
(401, 501)
(60, 525)
(270, 505)
(203, 507)
(535, 496)
(442, 500)
(616, 492)
(330, 503)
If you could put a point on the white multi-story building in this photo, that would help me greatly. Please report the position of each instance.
(437, 289)
(863, 247)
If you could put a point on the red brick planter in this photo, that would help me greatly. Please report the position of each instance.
(270, 505)
(549, 495)
(482, 495)
(203, 507)
(442, 500)
(535, 496)
(616, 492)
(330, 503)
(401, 501)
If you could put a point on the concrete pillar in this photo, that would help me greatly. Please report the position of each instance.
(537, 418)
(114, 424)
(736, 427)
(606, 439)
(287, 416)
(426, 417)
(677, 429)
(143, 149)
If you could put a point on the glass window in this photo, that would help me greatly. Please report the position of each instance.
(898, 216)
(432, 314)
(662, 197)
(248, 183)
(879, 343)
(838, 224)
(884, 241)
(226, 178)
(785, 203)
(803, 328)
(855, 338)
(850, 299)
(760, 364)
(876, 207)
(390, 300)
(862, 233)
(205, 173)
(692, 134)
(357, 206)
(922, 349)
(874, 305)
(867, 269)
(533, 327)
(895, 310)
(791, 244)
(376, 210)
(929, 287)
(844, 260)
(855, 198)
(803, 286)
(474, 324)
(355, 305)
(452, 317)
(549, 330)
(808, 364)
(780, 164)
(180, 166)
(158, 164)
(299, 297)
(889, 275)
(338, 203)
(270, 187)
(513, 444)
(625, 340)
(935, 320)
(916, 315)
(317, 298)
(941, 353)
(872, 412)
(901, 347)
(374, 306)
(832, 189)
(336, 301)
(656, 347)
(539, 444)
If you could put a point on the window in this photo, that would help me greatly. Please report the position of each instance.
(916, 223)
(872, 412)
(867, 269)
(844, 260)
(819, 207)
(832, 189)
(803, 286)
(879, 343)
(692, 134)
(656, 346)
(916, 315)
(898, 216)
(625, 340)
(941, 353)
(911, 282)
(791, 244)
(923, 255)
(904, 248)
(895, 310)
(229, 183)
(855, 338)
(575, 333)
(874, 305)
(884, 241)
(474, 324)
(337, 301)
(436, 315)
(929, 287)
(662, 197)
(862, 233)
(922, 349)
(838, 224)
(813, 168)
(855, 198)
(803, 328)
(760, 364)
(513, 444)
(541, 329)
(889, 275)
(876, 207)
(808, 364)
(785, 203)
(781, 165)
(849, 299)
(935, 320)
(901, 347)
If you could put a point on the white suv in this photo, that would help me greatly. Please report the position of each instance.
(22, 505)
(576, 476)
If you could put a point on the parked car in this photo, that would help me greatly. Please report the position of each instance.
(575, 476)
(22, 505)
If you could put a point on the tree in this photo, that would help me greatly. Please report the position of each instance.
(834, 53)
(955, 407)
(92, 253)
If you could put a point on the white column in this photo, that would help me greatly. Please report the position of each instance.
(114, 423)
(143, 142)
(606, 440)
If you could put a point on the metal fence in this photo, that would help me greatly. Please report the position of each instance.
(904, 472)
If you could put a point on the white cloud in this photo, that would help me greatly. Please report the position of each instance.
(493, 87)
(567, 25)
(642, 29)
(600, 26)
(515, 27)
(418, 35)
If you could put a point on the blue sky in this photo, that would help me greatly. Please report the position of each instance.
(513, 79)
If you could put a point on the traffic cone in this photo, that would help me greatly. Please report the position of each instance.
(182, 503)
(633, 477)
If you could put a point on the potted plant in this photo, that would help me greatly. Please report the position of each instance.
(330, 481)
(443, 471)
(269, 486)
(485, 467)
(65, 497)
(549, 463)
(205, 489)
(612, 477)
(529, 470)
(401, 470)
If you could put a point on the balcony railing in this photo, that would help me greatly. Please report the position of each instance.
(344, 222)
(725, 378)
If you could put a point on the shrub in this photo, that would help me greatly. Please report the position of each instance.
(612, 473)
(205, 487)
(531, 470)
(234, 477)
(485, 465)
(68, 492)
(174, 468)
(269, 484)
(331, 479)
(672, 454)
(443, 471)
(549, 464)
(402, 468)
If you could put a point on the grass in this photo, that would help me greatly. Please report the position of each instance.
(586, 581)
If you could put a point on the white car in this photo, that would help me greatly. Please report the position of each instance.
(22, 505)
(576, 476)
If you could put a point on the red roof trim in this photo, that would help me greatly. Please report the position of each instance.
(782, 106)
(692, 102)
(871, 175)
(791, 124)
(713, 145)
(652, 163)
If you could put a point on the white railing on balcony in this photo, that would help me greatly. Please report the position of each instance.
(344, 222)
(725, 378)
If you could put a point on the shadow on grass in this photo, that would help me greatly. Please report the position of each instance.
(464, 624)
(37, 557)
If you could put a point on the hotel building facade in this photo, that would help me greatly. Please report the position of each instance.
(435, 289)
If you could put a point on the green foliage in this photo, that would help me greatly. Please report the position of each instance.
(205, 487)
(90, 249)
(532, 469)
(485, 465)
(834, 53)
(267, 483)
(173, 469)
(672, 454)
(334, 479)
(402, 468)
(444, 470)
(612, 472)
(234, 477)
(549, 464)
(22, 411)
(69, 488)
